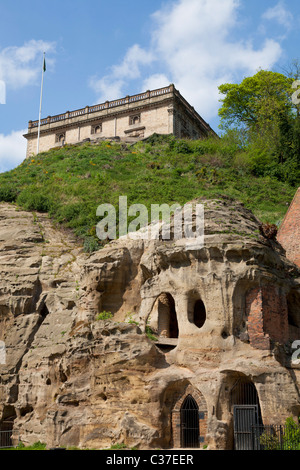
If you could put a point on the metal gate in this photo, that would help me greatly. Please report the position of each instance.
(245, 417)
(246, 414)
(189, 423)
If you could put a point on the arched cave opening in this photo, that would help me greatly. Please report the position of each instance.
(199, 314)
(196, 309)
(167, 318)
(293, 304)
(246, 413)
(6, 426)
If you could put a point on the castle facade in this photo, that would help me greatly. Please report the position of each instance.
(133, 118)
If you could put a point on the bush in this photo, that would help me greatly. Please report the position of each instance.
(292, 435)
(8, 193)
(104, 316)
(91, 244)
(32, 200)
(150, 334)
(71, 211)
(36, 446)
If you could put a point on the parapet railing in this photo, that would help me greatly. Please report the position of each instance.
(102, 106)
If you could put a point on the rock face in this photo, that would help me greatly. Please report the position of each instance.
(223, 320)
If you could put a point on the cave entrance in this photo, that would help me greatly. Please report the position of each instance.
(6, 427)
(167, 324)
(196, 309)
(246, 413)
(189, 423)
(199, 313)
(167, 318)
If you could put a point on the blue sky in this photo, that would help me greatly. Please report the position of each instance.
(98, 50)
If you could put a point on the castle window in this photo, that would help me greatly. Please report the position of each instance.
(134, 119)
(96, 129)
(60, 138)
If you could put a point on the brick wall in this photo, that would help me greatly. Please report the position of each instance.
(289, 231)
(267, 312)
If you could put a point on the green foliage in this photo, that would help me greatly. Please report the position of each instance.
(131, 321)
(292, 434)
(104, 316)
(36, 446)
(150, 334)
(91, 244)
(257, 100)
(8, 193)
(71, 182)
(33, 200)
(118, 446)
(260, 111)
(286, 439)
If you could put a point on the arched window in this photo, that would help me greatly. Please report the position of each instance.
(189, 423)
(96, 129)
(135, 119)
(189, 418)
(60, 138)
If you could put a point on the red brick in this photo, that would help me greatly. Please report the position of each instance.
(267, 312)
(289, 231)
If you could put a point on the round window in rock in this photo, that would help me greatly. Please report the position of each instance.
(196, 311)
(199, 313)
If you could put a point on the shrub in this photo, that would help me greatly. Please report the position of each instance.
(149, 333)
(36, 446)
(104, 316)
(71, 211)
(8, 193)
(91, 244)
(118, 446)
(32, 200)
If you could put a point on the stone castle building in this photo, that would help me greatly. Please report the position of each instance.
(161, 111)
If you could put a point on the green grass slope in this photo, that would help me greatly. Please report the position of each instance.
(71, 182)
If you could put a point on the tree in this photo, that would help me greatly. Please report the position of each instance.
(258, 102)
(262, 111)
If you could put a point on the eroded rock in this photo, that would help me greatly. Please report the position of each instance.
(221, 316)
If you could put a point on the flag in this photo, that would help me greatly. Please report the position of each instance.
(44, 65)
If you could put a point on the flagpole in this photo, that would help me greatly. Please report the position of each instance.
(40, 112)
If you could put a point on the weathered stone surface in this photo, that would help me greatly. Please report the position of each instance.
(72, 380)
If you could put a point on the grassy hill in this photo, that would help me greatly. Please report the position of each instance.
(69, 183)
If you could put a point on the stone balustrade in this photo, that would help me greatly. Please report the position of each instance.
(102, 106)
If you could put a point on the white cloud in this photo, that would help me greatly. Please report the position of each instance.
(106, 88)
(12, 150)
(2, 92)
(192, 46)
(20, 66)
(132, 62)
(280, 14)
(157, 80)
(193, 39)
(111, 85)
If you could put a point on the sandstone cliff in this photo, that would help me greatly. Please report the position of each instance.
(70, 379)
